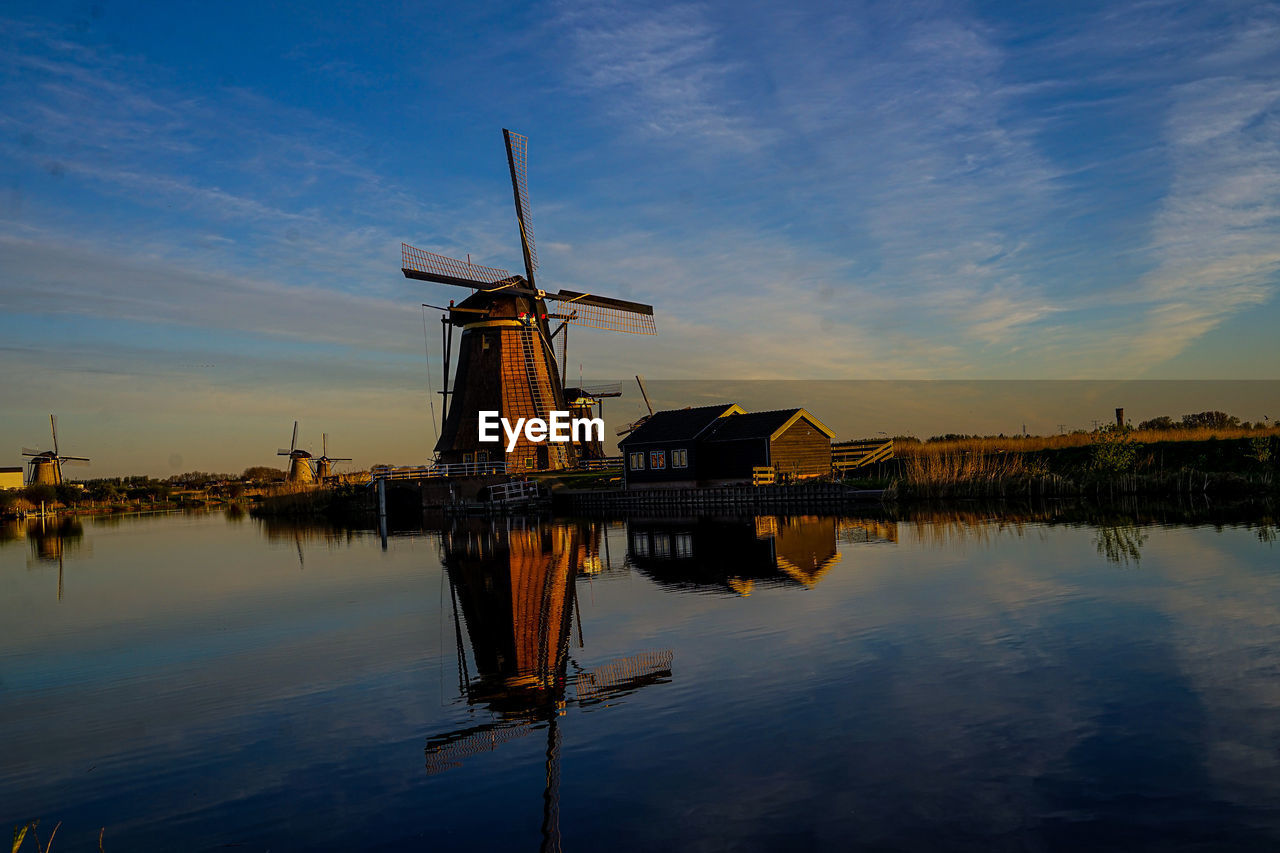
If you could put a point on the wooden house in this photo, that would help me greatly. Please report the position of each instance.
(791, 441)
(663, 452)
(714, 445)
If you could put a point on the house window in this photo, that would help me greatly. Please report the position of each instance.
(657, 459)
(637, 461)
(639, 544)
(468, 458)
(661, 545)
(528, 462)
(684, 546)
(482, 456)
(680, 458)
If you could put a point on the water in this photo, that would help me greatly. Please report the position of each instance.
(944, 682)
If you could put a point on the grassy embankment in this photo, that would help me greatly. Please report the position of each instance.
(1105, 463)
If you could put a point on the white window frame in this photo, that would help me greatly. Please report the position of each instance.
(680, 458)
(637, 460)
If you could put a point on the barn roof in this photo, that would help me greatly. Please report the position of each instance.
(761, 425)
(678, 424)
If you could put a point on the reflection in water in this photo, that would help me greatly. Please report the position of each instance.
(736, 554)
(1121, 543)
(51, 539)
(512, 588)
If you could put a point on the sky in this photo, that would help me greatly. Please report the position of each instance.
(201, 206)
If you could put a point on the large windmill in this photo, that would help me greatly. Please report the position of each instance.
(506, 356)
(299, 461)
(45, 469)
(324, 464)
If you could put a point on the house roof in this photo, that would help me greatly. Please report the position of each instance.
(679, 424)
(768, 425)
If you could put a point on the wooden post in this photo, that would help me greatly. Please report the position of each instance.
(1120, 418)
(382, 512)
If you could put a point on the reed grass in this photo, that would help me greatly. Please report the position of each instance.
(1025, 444)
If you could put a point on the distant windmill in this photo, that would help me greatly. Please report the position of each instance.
(299, 461)
(325, 463)
(46, 467)
(634, 426)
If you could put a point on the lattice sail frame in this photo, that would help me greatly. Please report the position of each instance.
(520, 171)
(599, 317)
(418, 260)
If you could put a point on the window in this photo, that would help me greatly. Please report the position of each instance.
(482, 456)
(528, 461)
(639, 544)
(684, 545)
(637, 461)
(657, 459)
(468, 458)
(661, 545)
(680, 458)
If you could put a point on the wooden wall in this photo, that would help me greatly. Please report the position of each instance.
(801, 451)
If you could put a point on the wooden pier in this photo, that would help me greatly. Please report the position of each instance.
(797, 496)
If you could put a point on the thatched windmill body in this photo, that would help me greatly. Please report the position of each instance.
(324, 463)
(506, 356)
(45, 469)
(299, 461)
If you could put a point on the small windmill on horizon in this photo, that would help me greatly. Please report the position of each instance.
(45, 469)
(299, 461)
(324, 464)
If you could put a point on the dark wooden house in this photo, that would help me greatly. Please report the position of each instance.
(791, 441)
(663, 451)
(714, 445)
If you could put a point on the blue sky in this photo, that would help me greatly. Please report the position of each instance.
(201, 206)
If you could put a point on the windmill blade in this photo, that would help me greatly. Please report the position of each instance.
(644, 393)
(283, 452)
(518, 160)
(293, 445)
(428, 266)
(623, 675)
(602, 312)
(53, 425)
(27, 451)
(340, 459)
(73, 458)
(324, 444)
(447, 751)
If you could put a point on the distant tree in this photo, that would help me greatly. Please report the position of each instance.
(1210, 420)
(45, 493)
(69, 495)
(1164, 422)
(262, 473)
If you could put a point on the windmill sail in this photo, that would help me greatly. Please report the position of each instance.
(518, 160)
(428, 266)
(603, 312)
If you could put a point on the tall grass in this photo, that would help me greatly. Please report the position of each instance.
(1014, 467)
(1017, 443)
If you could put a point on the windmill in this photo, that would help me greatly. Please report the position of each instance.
(325, 463)
(299, 461)
(506, 356)
(46, 468)
(631, 427)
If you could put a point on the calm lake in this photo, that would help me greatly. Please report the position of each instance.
(944, 682)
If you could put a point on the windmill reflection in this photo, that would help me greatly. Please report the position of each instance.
(512, 589)
(735, 554)
(51, 539)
